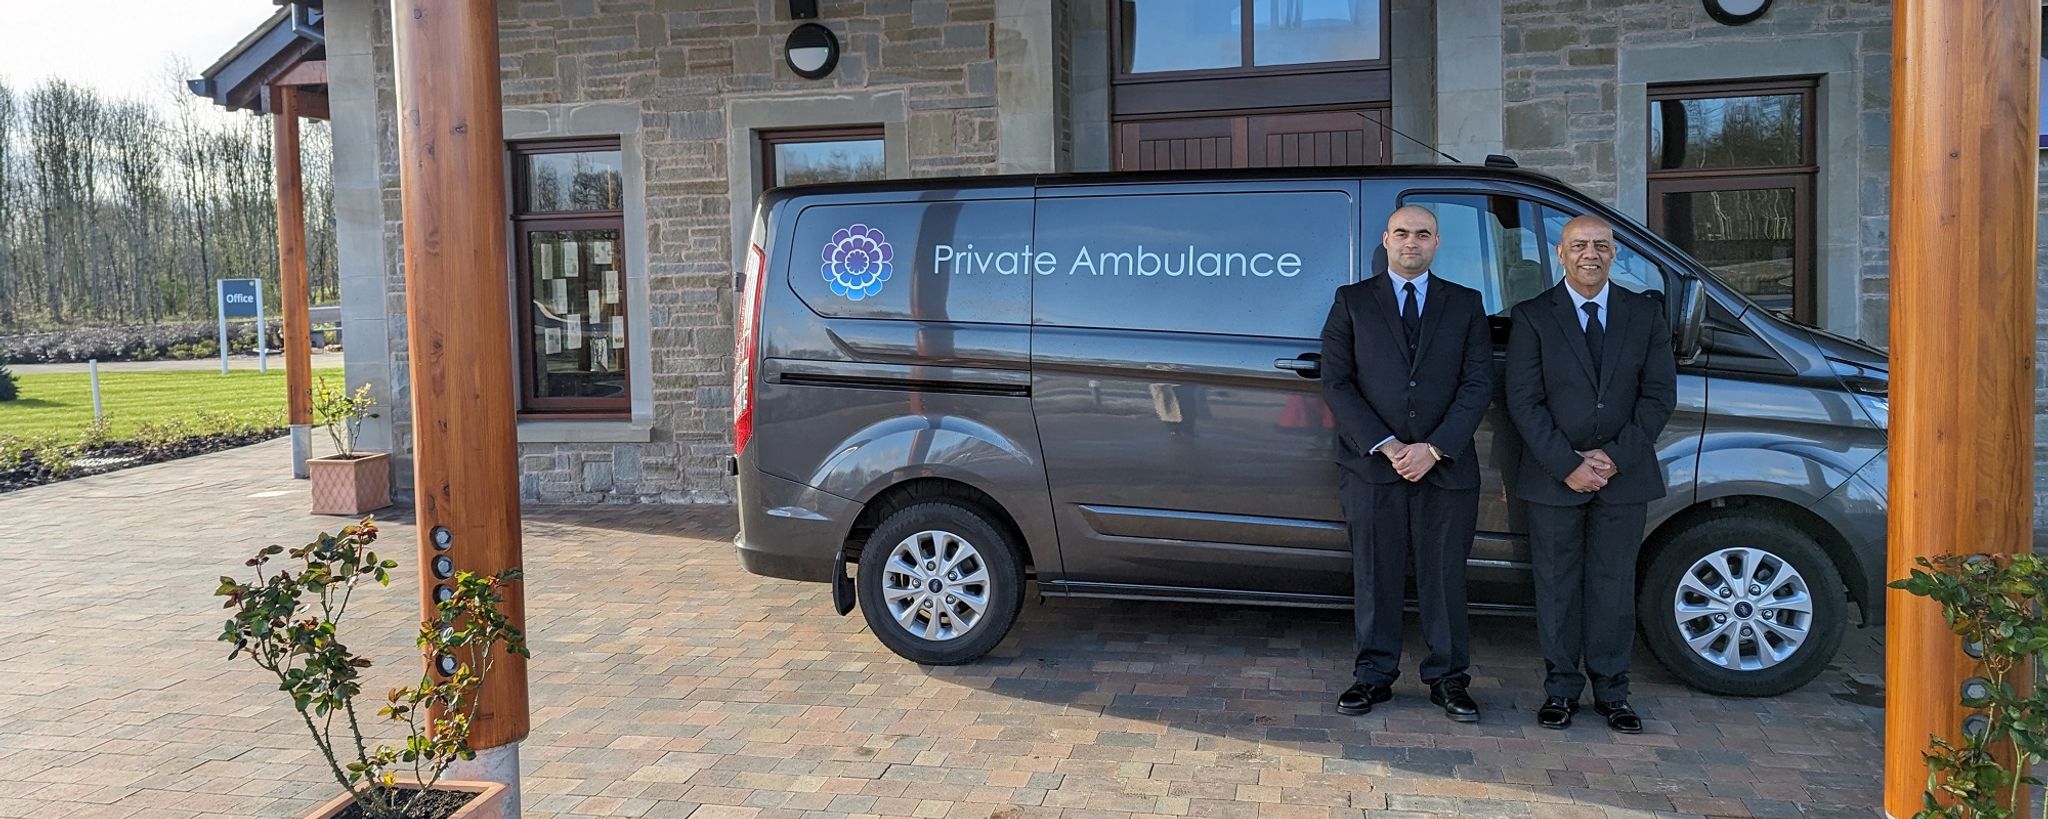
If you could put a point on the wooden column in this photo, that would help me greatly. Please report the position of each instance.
(1964, 160)
(291, 269)
(452, 186)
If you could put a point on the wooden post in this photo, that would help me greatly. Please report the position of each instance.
(452, 186)
(1964, 159)
(291, 272)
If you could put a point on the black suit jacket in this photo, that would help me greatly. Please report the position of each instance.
(1375, 389)
(1560, 411)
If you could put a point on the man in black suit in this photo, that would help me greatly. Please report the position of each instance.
(1408, 372)
(1591, 382)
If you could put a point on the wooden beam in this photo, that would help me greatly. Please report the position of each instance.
(310, 72)
(291, 256)
(1964, 158)
(312, 104)
(452, 187)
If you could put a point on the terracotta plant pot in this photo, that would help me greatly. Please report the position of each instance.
(489, 802)
(350, 486)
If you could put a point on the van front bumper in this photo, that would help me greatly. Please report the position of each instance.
(789, 530)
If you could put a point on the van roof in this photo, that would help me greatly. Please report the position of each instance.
(1162, 177)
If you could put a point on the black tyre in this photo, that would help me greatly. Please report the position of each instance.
(1743, 606)
(940, 582)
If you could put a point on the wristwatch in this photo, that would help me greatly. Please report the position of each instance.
(1436, 453)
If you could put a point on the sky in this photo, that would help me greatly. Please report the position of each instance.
(121, 47)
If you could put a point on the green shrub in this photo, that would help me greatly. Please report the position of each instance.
(8, 389)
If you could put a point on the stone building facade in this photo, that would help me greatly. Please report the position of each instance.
(689, 88)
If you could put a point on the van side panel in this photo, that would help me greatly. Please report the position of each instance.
(896, 347)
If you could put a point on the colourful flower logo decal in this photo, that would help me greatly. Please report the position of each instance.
(858, 260)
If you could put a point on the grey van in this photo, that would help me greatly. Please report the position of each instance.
(1108, 384)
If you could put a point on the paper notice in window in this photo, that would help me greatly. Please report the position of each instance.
(551, 340)
(595, 307)
(544, 261)
(619, 330)
(572, 262)
(559, 296)
(573, 334)
(611, 286)
(601, 253)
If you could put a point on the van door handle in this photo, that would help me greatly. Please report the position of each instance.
(1306, 365)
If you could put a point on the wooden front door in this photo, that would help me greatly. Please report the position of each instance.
(1314, 139)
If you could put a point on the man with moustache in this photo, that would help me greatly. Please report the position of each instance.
(1408, 373)
(1591, 381)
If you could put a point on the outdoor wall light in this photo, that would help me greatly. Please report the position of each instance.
(1974, 648)
(1976, 688)
(444, 567)
(1975, 725)
(812, 51)
(1736, 12)
(445, 664)
(443, 594)
(803, 9)
(443, 538)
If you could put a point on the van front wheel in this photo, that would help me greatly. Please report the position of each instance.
(1748, 607)
(940, 583)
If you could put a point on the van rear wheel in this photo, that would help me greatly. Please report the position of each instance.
(940, 583)
(1747, 607)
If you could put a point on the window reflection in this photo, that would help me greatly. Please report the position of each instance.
(1291, 32)
(557, 182)
(1182, 35)
(849, 160)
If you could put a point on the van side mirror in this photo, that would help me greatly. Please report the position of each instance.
(1692, 316)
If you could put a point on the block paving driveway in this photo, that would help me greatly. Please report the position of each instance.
(668, 682)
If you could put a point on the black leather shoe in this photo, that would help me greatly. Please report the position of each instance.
(1556, 713)
(1360, 698)
(1451, 696)
(1620, 716)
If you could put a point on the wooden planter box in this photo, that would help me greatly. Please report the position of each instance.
(489, 802)
(350, 486)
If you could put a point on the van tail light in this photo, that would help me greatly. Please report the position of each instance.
(746, 352)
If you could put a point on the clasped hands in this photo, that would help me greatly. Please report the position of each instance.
(1412, 461)
(1593, 472)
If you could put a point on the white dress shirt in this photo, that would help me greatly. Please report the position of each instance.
(1600, 298)
(1400, 296)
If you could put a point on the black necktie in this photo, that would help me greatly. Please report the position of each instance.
(1596, 335)
(1411, 315)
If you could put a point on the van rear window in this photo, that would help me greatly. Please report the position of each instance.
(959, 261)
(1251, 263)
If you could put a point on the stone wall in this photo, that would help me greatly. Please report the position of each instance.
(683, 63)
(1564, 62)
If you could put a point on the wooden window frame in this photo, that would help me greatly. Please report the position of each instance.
(769, 139)
(524, 224)
(1801, 178)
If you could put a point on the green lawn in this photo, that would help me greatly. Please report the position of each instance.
(61, 403)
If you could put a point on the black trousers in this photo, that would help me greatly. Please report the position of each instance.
(1387, 523)
(1585, 560)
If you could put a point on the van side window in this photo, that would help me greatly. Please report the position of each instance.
(1251, 263)
(1505, 247)
(1492, 244)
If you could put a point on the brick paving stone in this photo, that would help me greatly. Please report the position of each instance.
(667, 682)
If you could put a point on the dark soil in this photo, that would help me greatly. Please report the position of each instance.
(429, 805)
(34, 473)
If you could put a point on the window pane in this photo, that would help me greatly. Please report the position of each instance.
(1728, 132)
(1182, 35)
(1489, 243)
(579, 314)
(1289, 32)
(586, 180)
(846, 160)
(1746, 237)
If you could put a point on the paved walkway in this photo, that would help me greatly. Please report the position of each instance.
(667, 682)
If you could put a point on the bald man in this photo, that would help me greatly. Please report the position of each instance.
(1408, 373)
(1591, 382)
